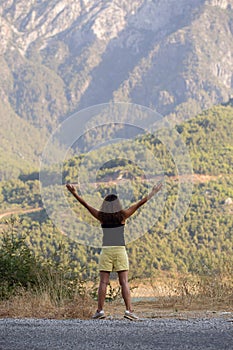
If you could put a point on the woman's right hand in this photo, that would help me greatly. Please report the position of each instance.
(155, 189)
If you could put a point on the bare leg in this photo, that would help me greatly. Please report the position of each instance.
(104, 281)
(123, 279)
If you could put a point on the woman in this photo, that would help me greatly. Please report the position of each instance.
(113, 256)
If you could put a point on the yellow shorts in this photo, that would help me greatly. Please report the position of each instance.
(113, 259)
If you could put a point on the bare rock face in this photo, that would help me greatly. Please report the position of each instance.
(224, 4)
(63, 55)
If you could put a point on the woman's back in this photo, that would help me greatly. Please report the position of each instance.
(113, 233)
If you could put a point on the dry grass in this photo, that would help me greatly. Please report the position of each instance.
(184, 285)
(171, 296)
(176, 292)
(31, 305)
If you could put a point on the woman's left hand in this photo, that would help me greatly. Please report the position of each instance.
(71, 188)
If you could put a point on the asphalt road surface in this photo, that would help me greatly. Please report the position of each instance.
(154, 334)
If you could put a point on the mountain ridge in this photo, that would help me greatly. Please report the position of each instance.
(61, 56)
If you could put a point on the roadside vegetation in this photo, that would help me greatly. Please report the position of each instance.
(52, 288)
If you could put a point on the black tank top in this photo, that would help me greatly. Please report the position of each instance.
(113, 234)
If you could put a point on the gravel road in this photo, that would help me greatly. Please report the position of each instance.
(169, 334)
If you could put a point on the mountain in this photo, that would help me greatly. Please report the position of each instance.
(60, 56)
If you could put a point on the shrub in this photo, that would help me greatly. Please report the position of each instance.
(18, 264)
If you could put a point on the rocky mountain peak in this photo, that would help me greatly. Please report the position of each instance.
(63, 55)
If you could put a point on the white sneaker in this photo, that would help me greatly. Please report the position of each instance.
(98, 315)
(130, 315)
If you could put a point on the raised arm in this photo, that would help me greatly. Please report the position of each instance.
(128, 212)
(94, 212)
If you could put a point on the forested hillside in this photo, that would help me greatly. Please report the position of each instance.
(202, 242)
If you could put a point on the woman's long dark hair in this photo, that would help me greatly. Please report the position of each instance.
(111, 210)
